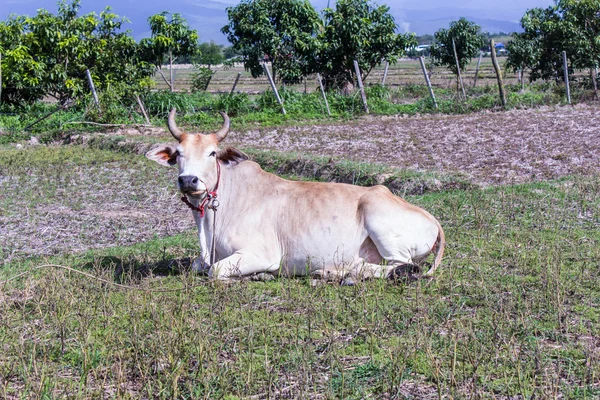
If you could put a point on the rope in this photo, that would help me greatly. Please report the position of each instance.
(119, 285)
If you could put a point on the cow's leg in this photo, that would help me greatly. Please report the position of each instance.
(240, 264)
(366, 270)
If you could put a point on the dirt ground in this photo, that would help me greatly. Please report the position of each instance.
(490, 148)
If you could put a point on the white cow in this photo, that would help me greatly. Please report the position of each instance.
(266, 224)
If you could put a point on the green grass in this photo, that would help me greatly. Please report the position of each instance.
(513, 312)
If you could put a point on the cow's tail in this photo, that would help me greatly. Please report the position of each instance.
(438, 247)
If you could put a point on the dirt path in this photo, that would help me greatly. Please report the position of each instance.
(490, 148)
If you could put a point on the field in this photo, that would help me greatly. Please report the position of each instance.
(405, 72)
(514, 312)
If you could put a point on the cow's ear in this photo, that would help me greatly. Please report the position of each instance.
(232, 156)
(163, 154)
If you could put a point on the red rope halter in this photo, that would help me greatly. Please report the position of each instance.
(210, 196)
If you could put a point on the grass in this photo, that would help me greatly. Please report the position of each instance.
(513, 313)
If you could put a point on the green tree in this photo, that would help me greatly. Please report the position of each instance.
(582, 18)
(230, 52)
(171, 38)
(210, 54)
(522, 54)
(358, 30)
(544, 33)
(468, 40)
(282, 32)
(47, 55)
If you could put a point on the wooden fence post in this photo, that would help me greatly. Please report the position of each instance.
(498, 73)
(360, 86)
(458, 69)
(422, 60)
(323, 93)
(566, 71)
(274, 88)
(171, 79)
(208, 80)
(477, 69)
(92, 88)
(593, 73)
(237, 78)
(385, 71)
(139, 101)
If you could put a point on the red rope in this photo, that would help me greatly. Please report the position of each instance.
(210, 196)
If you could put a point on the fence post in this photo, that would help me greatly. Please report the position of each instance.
(385, 71)
(477, 69)
(458, 69)
(274, 88)
(237, 78)
(421, 59)
(593, 73)
(498, 73)
(139, 101)
(323, 93)
(566, 70)
(92, 88)
(360, 86)
(0, 78)
(208, 80)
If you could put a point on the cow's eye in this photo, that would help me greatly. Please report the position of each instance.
(214, 153)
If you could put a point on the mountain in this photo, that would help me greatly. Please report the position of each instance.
(209, 16)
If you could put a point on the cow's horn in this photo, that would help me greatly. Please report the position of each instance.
(225, 128)
(175, 131)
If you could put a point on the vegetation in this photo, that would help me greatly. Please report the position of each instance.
(571, 26)
(513, 311)
(362, 31)
(297, 42)
(465, 37)
(48, 55)
(280, 32)
(171, 38)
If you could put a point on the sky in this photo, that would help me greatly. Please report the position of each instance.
(208, 16)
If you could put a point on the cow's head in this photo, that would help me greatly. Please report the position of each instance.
(197, 156)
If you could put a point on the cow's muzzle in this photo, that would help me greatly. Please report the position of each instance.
(189, 184)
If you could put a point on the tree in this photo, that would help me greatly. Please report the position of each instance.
(282, 32)
(467, 38)
(47, 55)
(572, 26)
(229, 52)
(358, 30)
(171, 38)
(582, 18)
(209, 54)
(521, 54)
(543, 33)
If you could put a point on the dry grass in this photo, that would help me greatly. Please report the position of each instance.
(491, 147)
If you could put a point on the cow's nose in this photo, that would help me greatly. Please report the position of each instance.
(188, 183)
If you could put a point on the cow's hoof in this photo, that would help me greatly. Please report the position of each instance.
(200, 267)
(262, 277)
(405, 272)
(347, 281)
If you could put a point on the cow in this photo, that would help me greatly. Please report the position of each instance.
(251, 222)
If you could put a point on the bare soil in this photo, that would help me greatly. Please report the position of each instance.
(490, 148)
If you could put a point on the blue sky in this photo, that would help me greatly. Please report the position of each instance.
(208, 16)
